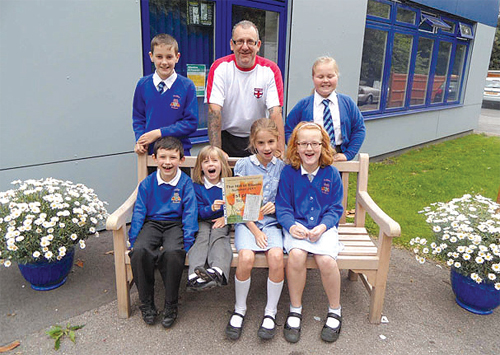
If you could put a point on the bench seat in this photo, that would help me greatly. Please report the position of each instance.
(361, 255)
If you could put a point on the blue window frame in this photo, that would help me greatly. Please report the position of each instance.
(203, 30)
(414, 59)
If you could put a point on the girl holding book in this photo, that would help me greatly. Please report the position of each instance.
(212, 246)
(260, 236)
(309, 207)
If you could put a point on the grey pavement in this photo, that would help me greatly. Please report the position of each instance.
(423, 317)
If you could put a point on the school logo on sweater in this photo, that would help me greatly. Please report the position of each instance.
(258, 92)
(175, 102)
(326, 187)
(176, 198)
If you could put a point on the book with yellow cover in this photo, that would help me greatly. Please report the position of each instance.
(243, 198)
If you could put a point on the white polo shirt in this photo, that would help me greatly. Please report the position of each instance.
(245, 95)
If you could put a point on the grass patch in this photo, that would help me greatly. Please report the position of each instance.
(406, 184)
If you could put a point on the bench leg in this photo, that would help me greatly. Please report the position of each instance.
(376, 304)
(122, 285)
(353, 276)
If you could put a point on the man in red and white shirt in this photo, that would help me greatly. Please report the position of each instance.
(241, 88)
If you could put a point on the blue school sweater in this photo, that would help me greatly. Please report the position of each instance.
(174, 112)
(205, 200)
(166, 203)
(309, 203)
(352, 122)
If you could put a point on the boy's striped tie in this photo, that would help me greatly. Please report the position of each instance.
(328, 122)
(161, 86)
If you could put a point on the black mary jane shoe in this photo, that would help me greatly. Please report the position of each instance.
(292, 334)
(234, 333)
(265, 333)
(330, 334)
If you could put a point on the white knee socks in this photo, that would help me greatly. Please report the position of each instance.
(273, 297)
(241, 289)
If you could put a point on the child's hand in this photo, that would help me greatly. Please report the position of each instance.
(261, 239)
(218, 222)
(149, 137)
(268, 208)
(141, 149)
(217, 205)
(339, 157)
(299, 231)
(316, 232)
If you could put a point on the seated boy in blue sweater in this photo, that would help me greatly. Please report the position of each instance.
(165, 215)
(165, 103)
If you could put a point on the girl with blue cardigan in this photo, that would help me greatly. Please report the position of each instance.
(309, 207)
(328, 108)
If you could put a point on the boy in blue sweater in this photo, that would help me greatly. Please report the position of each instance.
(165, 103)
(165, 215)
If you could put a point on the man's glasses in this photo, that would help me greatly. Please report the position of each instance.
(241, 42)
(314, 145)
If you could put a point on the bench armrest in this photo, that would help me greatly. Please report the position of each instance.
(119, 217)
(387, 225)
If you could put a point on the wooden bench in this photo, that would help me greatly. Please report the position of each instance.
(361, 255)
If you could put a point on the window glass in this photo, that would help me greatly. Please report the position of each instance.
(422, 67)
(378, 9)
(399, 70)
(441, 72)
(406, 16)
(193, 28)
(456, 73)
(372, 68)
(268, 24)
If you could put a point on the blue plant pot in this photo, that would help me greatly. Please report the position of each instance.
(45, 276)
(477, 298)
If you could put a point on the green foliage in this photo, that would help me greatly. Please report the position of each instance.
(57, 332)
(495, 52)
(404, 185)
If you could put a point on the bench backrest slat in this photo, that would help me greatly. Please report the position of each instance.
(360, 168)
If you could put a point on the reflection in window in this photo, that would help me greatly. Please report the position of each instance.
(267, 22)
(372, 68)
(399, 70)
(456, 71)
(378, 9)
(441, 72)
(421, 76)
(406, 16)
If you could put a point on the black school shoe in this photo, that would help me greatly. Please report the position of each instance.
(209, 275)
(234, 333)
(149, 313)
(265, 333)
(169, 315)
(329, 334)
(292, 334)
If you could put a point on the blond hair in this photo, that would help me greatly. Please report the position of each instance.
(325, 60)
(262, 124)
(213, 152)
(292, 154)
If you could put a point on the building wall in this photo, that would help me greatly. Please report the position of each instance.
(68, 71)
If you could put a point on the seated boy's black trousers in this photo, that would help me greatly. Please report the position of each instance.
(146, 255)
